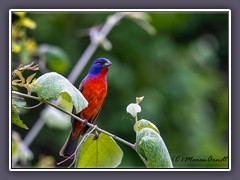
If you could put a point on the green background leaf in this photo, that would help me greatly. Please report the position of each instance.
(54, 85)
(56, 58)
(56, 119)
(100, 153)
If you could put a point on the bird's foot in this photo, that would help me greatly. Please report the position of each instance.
(96, 135)
(85, 122)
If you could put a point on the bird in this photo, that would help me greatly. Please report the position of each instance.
(94, 89)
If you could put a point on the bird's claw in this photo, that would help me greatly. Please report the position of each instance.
(85, 122)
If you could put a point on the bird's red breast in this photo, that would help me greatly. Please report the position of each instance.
(95, 91)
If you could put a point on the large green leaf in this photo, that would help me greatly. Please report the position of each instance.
(17, 121)
(150, 145)
(102, 152)
(54, 85)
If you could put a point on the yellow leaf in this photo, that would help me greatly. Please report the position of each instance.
(33, 81)
(29, 23)
(29, 79)
(19, 74)
(31, 45)
(28, 88)
(16, 48)
(14, 33)
(16, 81)
(20, 14)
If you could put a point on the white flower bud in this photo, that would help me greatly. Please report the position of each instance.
(133, 109)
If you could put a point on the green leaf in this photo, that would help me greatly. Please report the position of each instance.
(150, 145)
(65, 101)
(57, 59)
(143, 123)
(14, 88)
(102, 152)
(17, 121)
(53, 85)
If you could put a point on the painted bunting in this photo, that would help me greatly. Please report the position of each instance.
(94, 89)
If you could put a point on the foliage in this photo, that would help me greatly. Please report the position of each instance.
(55, 85)
(21, 44)
(17, 121)
(21, 81)
(99, 152)
(18, 81)
(150, 145)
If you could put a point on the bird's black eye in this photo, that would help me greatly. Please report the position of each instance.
(100, 62)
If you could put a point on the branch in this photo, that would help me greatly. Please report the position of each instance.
(75, 117)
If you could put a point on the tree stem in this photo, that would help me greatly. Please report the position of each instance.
(75, 117)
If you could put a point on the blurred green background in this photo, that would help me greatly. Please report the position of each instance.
(182, 71)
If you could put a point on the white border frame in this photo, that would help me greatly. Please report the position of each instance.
(132, 10)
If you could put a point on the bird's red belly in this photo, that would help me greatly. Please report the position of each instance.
(95, 93)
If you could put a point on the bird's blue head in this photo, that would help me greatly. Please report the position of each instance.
(100, 66)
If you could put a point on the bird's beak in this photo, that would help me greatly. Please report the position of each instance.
(107, 64)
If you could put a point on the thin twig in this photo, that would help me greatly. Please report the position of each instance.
(75, 117)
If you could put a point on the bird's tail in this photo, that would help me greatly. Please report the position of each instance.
(70, 145)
